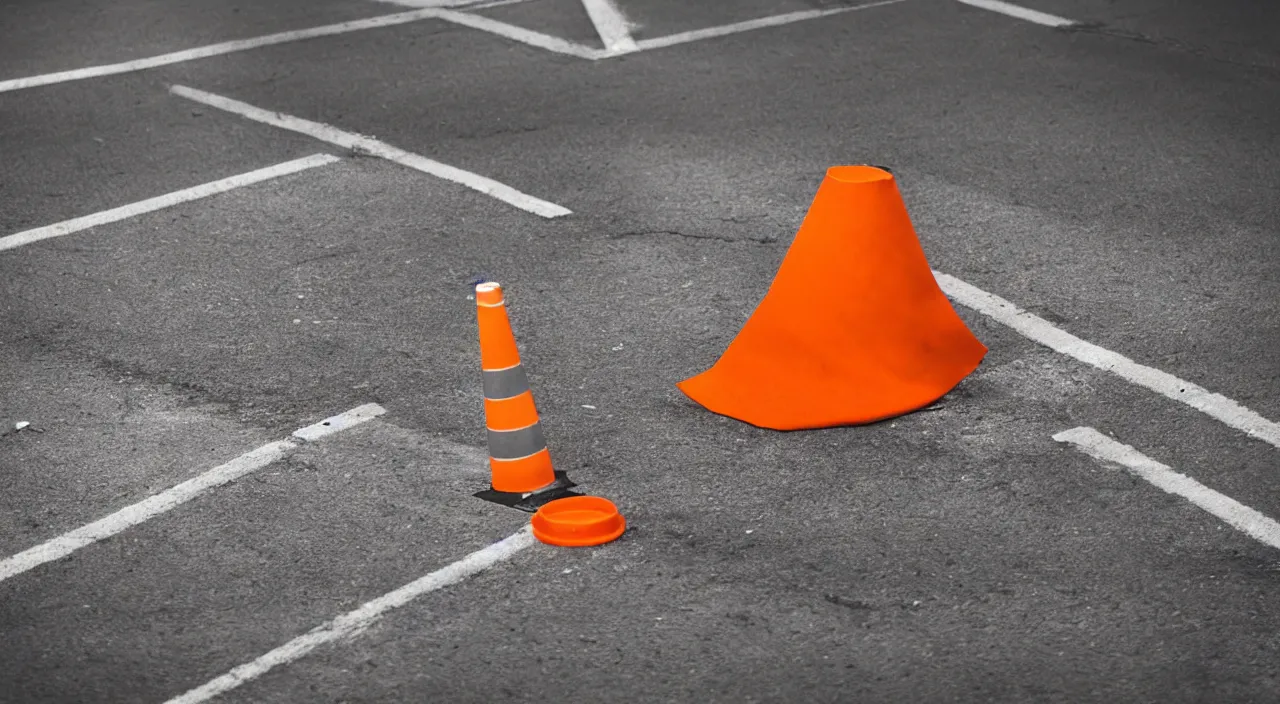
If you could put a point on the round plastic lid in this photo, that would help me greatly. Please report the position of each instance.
(578, 521)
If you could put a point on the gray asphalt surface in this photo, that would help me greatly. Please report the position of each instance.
(1117, 179)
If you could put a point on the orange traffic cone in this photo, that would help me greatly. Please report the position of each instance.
(519, 461)
(854, 328)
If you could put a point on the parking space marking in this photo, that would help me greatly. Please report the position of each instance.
(340, 422)
(612, 29)
(735, 28)
(216, 50)
(68, 227)
(1022, 13)
(620, 47)
(1038, 329)
(353, 622)
(520, 34)
(168, 499)
(611, 25)
(1234, 513)
(151, 507)
(369, 145)
(469, 4)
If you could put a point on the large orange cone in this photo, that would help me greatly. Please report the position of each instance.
(854, 328)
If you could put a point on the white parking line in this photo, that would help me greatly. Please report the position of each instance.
(350, 140)
(356, 621)
(613, 32)
(735, 28)
(67, 227)
(520, 34)
(170, 498)
(340, 422)
(215, 50)
(1022, 13)
(202, 52)
(1234, 513)
(609, 34)
(456, 4)
(611, 25)
(1035, 328)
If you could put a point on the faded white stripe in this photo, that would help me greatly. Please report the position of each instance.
(215, 50)
(350, 140)
(469, 4)
(175, 496)
(1033, 327)
(342, 421)
(774, 21)
(129, 516)
(1234, 513)
(519, 34)
(1022, 13)
(152, 204)
(611, 25)
(356, 621)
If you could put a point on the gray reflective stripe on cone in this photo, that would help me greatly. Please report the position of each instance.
(515, 444)
(505, 383)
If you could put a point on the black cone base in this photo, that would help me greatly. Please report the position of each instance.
(529, 503)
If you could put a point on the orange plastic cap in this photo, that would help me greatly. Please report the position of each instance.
(578, 521)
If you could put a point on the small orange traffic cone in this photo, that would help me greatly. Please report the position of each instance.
(519, 461)
(854, 328)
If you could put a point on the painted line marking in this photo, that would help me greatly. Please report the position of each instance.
(563, 46)
(68, 227)
(1038, 329)
(216, 50)
(340, 422)
(1022, 13)
(774, 21)
(1234, 513)
(469, 4)
(519, 34)
(369, 145)
(613, 31)
(611, 25)
(151, 507)
(166, 500)
(353, 622)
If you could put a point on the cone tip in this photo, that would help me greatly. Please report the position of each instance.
(489, 293)
(859, 173)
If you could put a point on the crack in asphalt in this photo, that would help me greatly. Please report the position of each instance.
(500, 131)
(1104, 30)
(346, 251)
(645, 233)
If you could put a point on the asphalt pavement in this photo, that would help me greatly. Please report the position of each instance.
(1114, 177)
